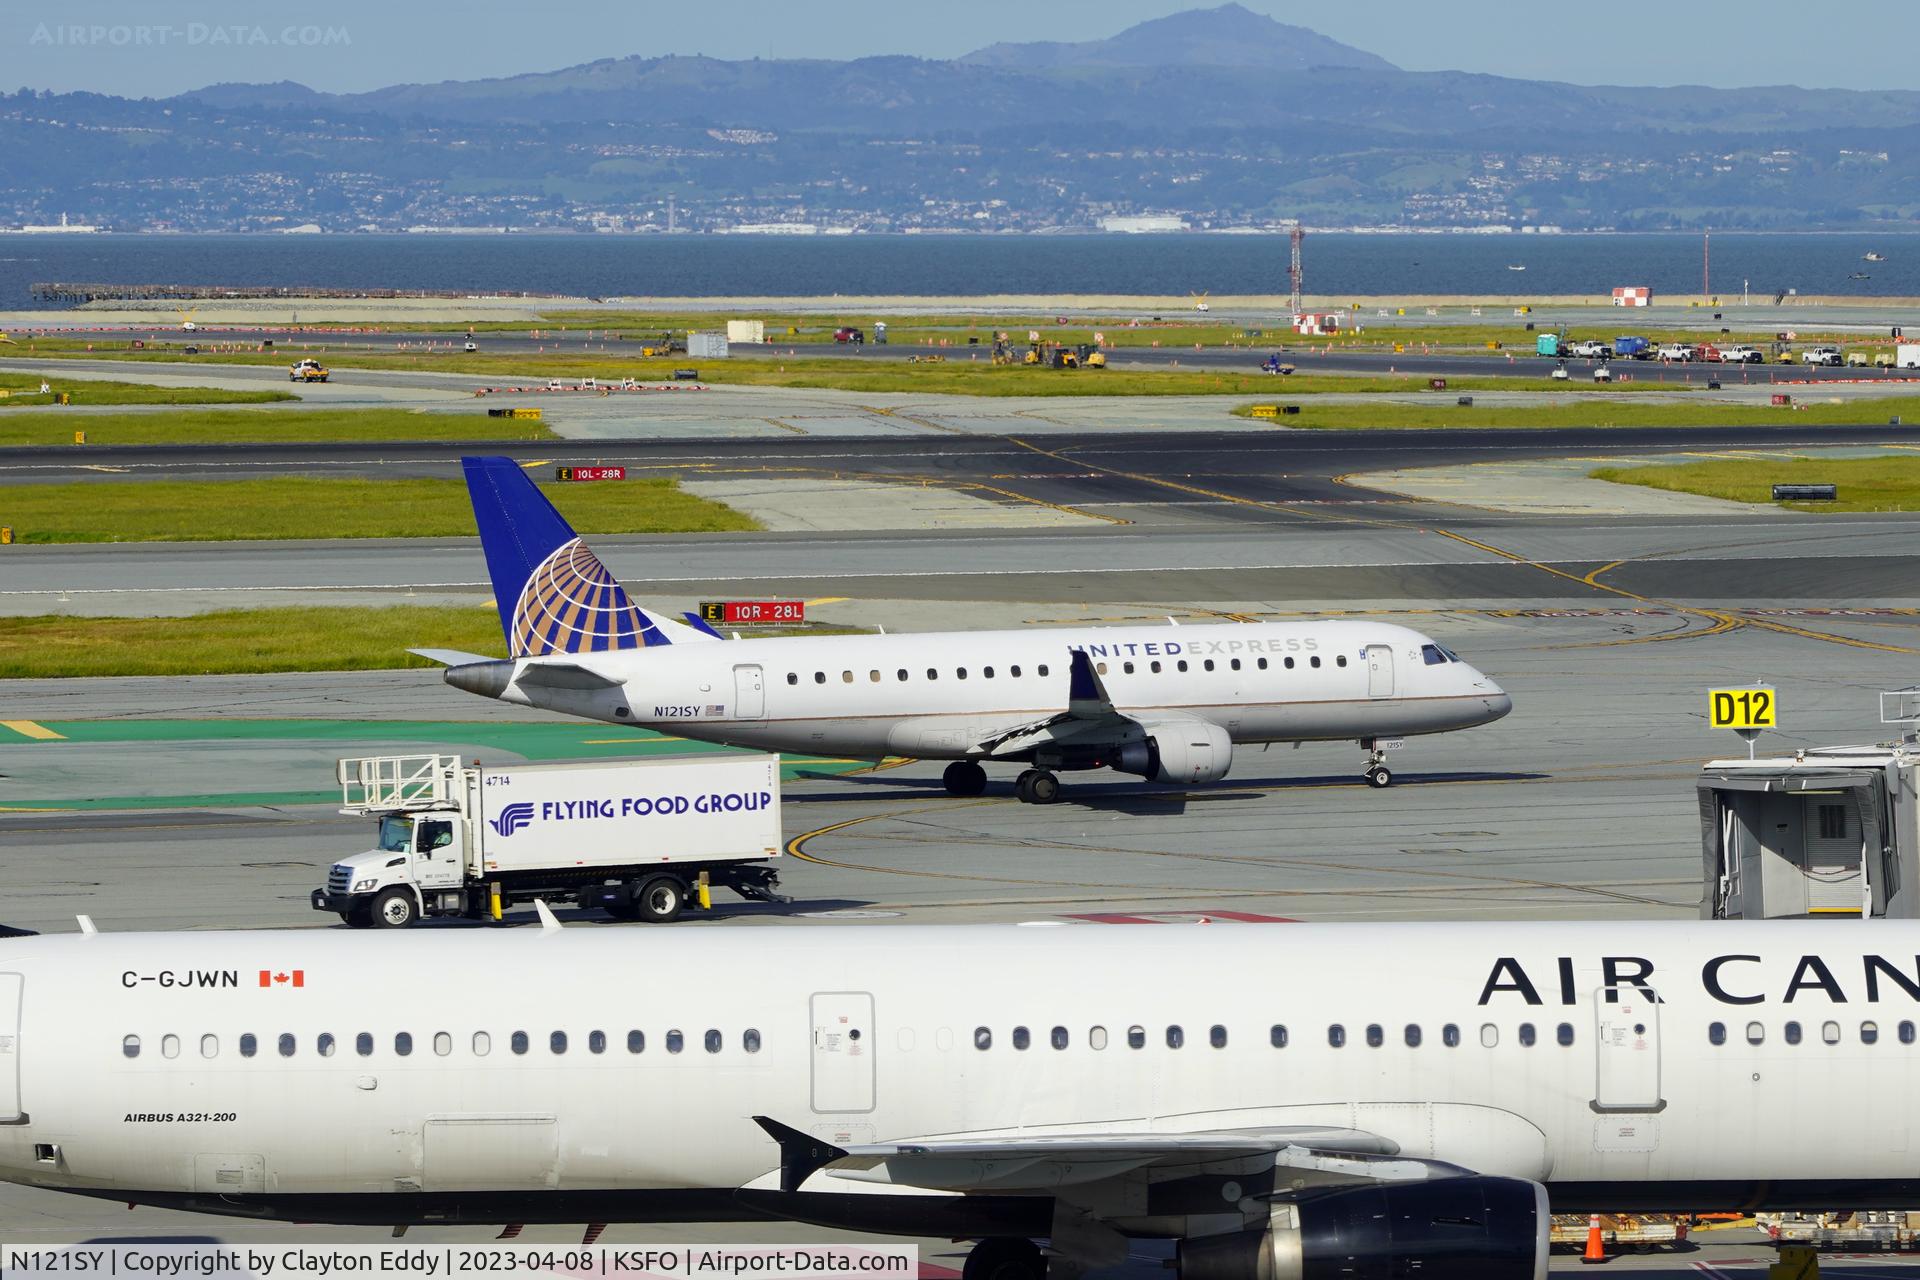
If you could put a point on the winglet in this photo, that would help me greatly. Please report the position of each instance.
(1086, 694)
(86, 925)
(801, 1155)
(548, 921)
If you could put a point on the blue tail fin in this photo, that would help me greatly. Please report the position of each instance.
(553, 594)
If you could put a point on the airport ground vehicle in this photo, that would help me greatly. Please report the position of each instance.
(1707, 353)
(1550, 344)
(308, 370)
(847, 333)
(1907, 356)
(1591, 349)
(1621, 1232)
(471, 345)
(1633, 347)
(1602, 374)
(1272, 364)
(1676, 351)
(635, 838)
(1857, 360)
(1827, 356)
(1560, 373)
(1742, 354)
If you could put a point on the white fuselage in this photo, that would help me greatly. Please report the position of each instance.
(1778, 1064)
(939, 696)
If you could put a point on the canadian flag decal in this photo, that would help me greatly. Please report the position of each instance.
(283, 977)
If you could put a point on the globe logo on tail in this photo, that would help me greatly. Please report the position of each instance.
(513, 818)
(571, 604)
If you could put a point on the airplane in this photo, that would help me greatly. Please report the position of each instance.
(1296, 1100)
(1164, 703)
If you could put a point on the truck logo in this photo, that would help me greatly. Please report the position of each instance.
(512, 818)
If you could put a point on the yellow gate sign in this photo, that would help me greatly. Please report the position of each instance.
(1743, 708)
(1265, 410)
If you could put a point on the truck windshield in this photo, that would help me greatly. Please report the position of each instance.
(396, 834)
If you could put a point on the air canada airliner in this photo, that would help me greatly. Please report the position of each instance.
(1164, 703)
(1283, 1101)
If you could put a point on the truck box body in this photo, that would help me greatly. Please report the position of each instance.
(1907, 356)
(1630, 346)
(707, 346)
(1548, 344)
(746, 331)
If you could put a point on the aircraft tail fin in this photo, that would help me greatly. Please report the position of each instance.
(553, 594)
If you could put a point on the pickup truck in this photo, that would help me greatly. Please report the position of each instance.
(1743, 355)
(1829, 356)
(308, 371)
(1676, 351)
(1591, 350)
(847, 333)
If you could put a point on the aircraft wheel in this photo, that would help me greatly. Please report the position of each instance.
(395, 909)
(660, 900)
(965, 778)
(1003, 1258)
(1043, 787)
(1023, 785)
(1379, 777)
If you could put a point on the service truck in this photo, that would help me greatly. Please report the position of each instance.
(635, 838)
(1907, 356)
(1633, 347)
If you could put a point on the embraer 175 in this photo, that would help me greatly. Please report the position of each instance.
(1078, 1084)
(1167, 704)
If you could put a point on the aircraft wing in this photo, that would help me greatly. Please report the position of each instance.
(1090, 717)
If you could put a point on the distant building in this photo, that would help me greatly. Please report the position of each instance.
(774, 229)
(63, 227)
(1633, 295)
(1142, 223)
(1317, 324)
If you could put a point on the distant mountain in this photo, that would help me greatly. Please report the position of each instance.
(1229, 36)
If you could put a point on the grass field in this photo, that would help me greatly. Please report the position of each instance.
(24, 393)
(241, 640)
(1623, 413)
(305, 507)
(1865, 484)
(240, 426)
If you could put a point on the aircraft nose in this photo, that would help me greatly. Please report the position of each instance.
(1496, 700)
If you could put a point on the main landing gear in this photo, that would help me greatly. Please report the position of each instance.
(965, 778)
(1037, 786)
(1033, 786)
(1377, 773)
(1004, 1258)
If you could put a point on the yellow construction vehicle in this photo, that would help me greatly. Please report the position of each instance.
(308, 370)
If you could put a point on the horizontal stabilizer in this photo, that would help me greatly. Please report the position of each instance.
(450, 657)
(563, 675)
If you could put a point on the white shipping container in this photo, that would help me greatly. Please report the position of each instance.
(707, 346)
(676, 809)
(746, 331)
(1907, 356)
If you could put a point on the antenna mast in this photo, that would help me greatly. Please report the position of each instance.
(1294, 277)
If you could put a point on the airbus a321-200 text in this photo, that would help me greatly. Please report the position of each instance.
(1163, 703)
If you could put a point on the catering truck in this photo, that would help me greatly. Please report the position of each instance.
(635, 838)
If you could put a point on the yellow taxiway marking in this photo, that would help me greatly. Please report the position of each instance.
(537, 462)
(828, 600)
(30, 729)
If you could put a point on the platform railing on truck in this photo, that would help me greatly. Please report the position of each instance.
(381, 784)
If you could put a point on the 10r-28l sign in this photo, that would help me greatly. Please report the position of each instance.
(754, 612)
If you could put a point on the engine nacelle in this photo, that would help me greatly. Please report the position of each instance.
(1446, 1229)
(1187, 751)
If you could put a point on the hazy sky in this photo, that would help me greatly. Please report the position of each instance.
(161, 47)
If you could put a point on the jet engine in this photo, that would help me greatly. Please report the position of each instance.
(1178, 751)
(1467, 1228)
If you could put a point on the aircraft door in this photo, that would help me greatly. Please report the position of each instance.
(1627, 1045)
(749, 693)
(10, 998)
(1379, 671)
(843, 1045)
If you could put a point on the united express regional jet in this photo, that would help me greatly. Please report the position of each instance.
(1167, 704)
(1286, 1101)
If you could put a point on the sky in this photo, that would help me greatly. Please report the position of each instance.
(156, 48)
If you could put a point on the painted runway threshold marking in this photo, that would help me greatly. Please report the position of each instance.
(32, 729)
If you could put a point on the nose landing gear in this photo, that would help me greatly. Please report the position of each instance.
(1377, 773)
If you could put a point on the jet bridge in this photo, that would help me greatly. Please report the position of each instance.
(1833, 831)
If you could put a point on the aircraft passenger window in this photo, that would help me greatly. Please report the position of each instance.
(1756, 1033)
(1042, 669)
(675, 1042)
(1058, 1038)
(982, 1038)
(1906, 1033)
(1430, 654)
(932, 673)
(442, 1043)
(1413, 1035)
(713, 1041)
(518, 1042)
(1021, 1038)
(1716, 1033)
(873, 676)
(1014, 671)
(557, 1042)
(750, 1040)
(1289, 664)
(1234, 663)
(793, 677)
(1564, 1033)
(1376, 1035)
(1489, 1036)
(636, 1041)
(130, 1045)
(846, 677)
(402, 1043)
(362, 1045)
(986, 673)
(1208, 664)
(1340, 661)
(1869, 1034)
(1136, 1037)
(210, 1045)
(1175, 1037)
(1830, 1032)
(249, 1045)
(819, 677)
(1791, 1032)
(1450, 1036)
(1127, 667)
(1217, 1036)
(1526, 1035)
(482, 1044)
(1337, 1036)
(324, 1044)
(960, 673)
(1314, 661)
(169, 1046)
(1096, 1037)
(596, 1042)
(1155, 665)
(1262, 663)
(1182, 665)
(1277, 1036)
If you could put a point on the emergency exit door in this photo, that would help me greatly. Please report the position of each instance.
(11, 985)
(843, 1044)
(1379, 671)
(1627, 1051)
(749, 693)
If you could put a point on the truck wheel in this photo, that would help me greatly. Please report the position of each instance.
(622, 910)
(359, 917)
(395, 909)
(660, 900)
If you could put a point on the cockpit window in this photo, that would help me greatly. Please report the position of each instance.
(1432, 654)
(396, 834)
(1448, 654)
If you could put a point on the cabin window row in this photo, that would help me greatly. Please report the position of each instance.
(1154, 666)
(902, 675)
(1794, 1033)
(1278, 1037)
(441, 1043)
(1128, 667)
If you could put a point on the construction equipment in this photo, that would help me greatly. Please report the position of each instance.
(1616, 1233)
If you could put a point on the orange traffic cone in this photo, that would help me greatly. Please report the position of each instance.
(1596, 1249)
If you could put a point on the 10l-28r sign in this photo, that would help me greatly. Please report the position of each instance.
(754, 612)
